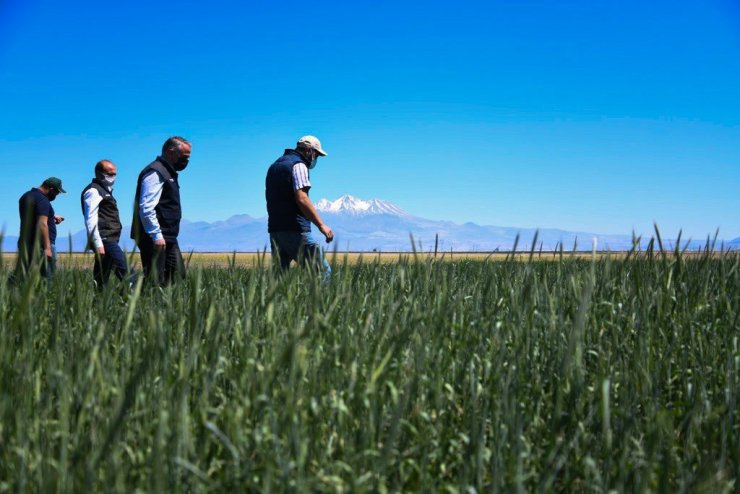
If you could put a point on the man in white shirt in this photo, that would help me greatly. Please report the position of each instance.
(103, 224)
(157, 213)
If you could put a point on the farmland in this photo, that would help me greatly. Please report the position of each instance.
(406, 374)
(85, 260)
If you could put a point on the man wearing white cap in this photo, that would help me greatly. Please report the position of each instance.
(291, 212)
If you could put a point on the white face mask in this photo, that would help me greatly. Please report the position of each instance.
(312, 164)
(109, 179)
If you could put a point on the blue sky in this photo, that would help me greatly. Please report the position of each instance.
(581, 115)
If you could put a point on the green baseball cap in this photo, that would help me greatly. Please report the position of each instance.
(55, 183)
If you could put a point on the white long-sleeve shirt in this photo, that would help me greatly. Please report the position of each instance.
(91, 203)
(151, 191)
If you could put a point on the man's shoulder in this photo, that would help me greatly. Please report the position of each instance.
(36, 200)
(94, 189)
(34, 195)
(154, 169)
(26, 195)
(149, 167)
(154, 166)
(289, 158)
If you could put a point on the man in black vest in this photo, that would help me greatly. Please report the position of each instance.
(157, 213)
(291, 212)
(103, 224)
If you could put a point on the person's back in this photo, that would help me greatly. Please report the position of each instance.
(283, 213)
(31, 205)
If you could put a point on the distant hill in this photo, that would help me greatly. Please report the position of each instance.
(376, 225)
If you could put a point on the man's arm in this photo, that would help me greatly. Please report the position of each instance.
(91, 201)
(309, 211)
(42, 209)
(44, 232)
(301, 185)
(151, 191)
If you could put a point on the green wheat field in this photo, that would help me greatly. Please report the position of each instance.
(565, 374)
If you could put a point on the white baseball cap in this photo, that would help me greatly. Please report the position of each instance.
(311, 142)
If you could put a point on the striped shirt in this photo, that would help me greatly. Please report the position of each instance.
(300, 177)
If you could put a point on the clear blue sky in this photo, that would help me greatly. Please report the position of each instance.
(582, 115)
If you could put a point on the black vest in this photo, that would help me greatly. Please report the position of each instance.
(109, 221)
(169, 211)
(283, 213)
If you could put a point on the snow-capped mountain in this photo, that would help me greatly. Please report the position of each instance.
(353, 206)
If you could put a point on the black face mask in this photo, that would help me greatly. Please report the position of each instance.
(52, 195)
(180, 164)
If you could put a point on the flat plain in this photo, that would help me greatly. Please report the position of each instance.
(79, 260)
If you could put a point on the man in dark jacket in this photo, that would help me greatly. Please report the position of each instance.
(103, 224)
(157, 213)
(291, 212)
(38, 229)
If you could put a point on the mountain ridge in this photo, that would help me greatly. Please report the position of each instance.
(377, 225)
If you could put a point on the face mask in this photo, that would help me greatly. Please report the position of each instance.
(312, 165)
(181, 164)
(109, 179)
(52, 195)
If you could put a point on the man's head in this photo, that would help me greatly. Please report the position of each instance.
(106, 171)
(176, 151)
(51, 187)
(310, 148)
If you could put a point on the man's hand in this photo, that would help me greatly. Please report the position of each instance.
(160, 244)
(47, 253)
(58, 219)
(308, 209)
(101, 251)
(328, 232)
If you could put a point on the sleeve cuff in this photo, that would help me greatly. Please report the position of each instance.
(157, 236)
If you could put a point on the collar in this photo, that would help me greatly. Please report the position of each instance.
(304, 160)
(103, 184)
(167, 165)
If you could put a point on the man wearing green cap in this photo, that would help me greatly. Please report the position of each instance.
(38, 228)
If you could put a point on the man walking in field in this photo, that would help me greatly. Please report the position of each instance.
(38, 235)
(157, 213)
(103, 224)
(291, 212)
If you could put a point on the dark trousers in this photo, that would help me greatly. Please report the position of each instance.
(161, 266)
(30, 258)
(300, 247)
(113, 261)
